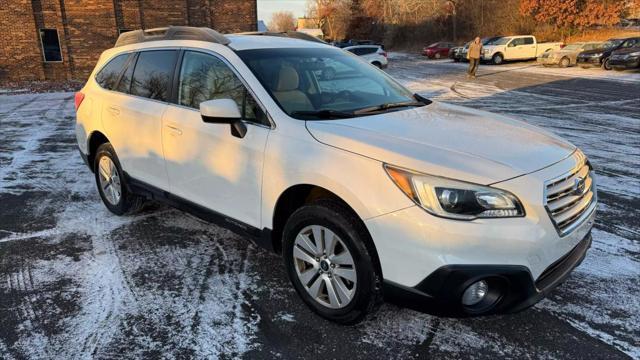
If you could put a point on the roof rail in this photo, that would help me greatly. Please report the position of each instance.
(290, 34)
(172, 33)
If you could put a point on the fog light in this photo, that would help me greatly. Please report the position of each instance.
(475, 293)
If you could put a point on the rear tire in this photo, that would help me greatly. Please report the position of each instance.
(111, 183)
(377, 64)
(321, 272)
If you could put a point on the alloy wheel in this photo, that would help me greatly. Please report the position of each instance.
(109, 180)
(325, 266)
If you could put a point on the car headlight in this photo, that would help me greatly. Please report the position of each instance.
(637, 53)
(596, 55)
(455, 199)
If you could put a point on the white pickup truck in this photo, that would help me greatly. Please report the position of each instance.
(520, 47)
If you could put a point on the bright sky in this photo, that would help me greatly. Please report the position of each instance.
(267, 7)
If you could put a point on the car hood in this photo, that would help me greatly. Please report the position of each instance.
(627, 51)
(491, 47)
(447, 140)
(563, 52)
(595, 51)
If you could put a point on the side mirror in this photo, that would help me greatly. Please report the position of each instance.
(223, 111)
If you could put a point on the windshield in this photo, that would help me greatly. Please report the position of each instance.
(500, 41)
(434, 45)
(612, 44)
(316, 83)
(573, 47)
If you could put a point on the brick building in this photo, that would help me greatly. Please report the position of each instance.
(62, 39)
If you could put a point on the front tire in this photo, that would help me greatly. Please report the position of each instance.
(497, 59)
(437, 56)
(565, 62)
(605, 65)
(112, 184)
(328, 262)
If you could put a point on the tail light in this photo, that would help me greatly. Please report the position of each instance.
(384, 53)
(78, 99)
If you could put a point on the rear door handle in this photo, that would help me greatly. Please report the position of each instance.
(114, 110)
(174, 129)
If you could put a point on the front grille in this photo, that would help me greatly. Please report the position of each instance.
(570, 198)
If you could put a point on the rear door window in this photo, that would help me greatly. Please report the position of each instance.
(369, 50)
(528, 41)
(108, 76)
(153, 74)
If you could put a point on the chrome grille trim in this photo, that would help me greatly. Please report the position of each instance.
(567, 206)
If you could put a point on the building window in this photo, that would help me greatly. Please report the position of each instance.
(50, 45)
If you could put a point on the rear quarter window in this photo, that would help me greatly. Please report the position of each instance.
(108, 76)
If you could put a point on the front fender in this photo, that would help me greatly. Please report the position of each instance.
(359, 181)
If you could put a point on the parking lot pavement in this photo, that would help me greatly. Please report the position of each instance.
(78, 282)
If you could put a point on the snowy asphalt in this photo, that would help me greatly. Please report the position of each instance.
(78, 282)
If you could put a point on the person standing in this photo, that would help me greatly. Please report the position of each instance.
(473, 55)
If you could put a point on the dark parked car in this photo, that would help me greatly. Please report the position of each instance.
(623, 59)
(601, 56)
(438, 50)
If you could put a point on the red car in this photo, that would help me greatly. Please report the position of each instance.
(438, 50)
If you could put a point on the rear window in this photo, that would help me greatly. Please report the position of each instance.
(364, 50)
(153, 73)
(108, 76)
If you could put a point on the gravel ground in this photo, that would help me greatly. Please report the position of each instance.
(78, 282)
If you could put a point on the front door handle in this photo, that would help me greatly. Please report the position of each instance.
(174, 130)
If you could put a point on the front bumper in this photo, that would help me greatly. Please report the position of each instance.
(412, 245)
(589, 61)
(625, 63)
(516, 289)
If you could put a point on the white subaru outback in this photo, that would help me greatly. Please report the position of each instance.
(368, 191)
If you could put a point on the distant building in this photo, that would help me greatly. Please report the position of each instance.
(60, 40)
(306, 23)
(262, 26)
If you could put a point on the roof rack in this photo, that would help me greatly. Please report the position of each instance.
(290, 34)
(172, 33)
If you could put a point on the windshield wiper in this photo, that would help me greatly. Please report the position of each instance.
(384, 107)
(324, 114)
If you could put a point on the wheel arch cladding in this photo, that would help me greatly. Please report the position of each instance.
(95, 140)
(299, 195)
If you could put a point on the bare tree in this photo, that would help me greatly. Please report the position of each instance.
(332, 16)
(282, 21)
